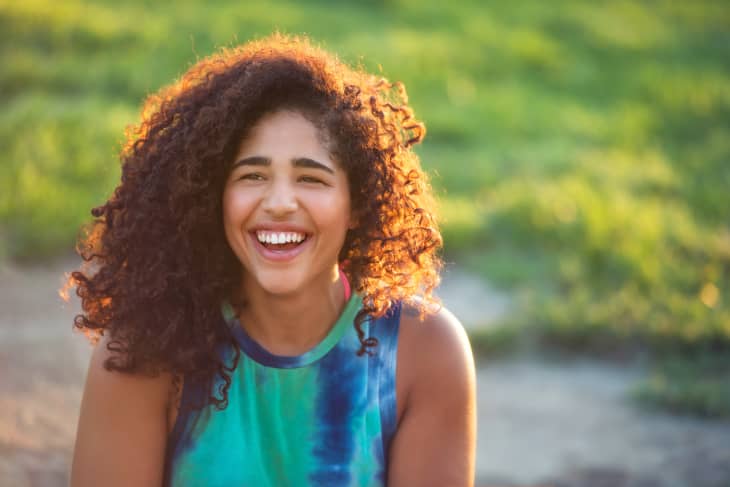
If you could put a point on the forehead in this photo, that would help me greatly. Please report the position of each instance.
(286, 134)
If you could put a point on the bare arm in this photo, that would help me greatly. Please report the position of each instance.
(122, 428)
(436, 438)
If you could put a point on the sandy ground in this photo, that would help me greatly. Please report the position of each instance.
(541, 422)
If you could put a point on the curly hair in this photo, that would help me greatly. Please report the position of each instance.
(157, 264)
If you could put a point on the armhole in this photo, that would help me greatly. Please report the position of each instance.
(192, 396)
(386, 330)
(176, 408)
(183, 411)
(176, 439)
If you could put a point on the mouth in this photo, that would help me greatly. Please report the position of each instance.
(277, 241)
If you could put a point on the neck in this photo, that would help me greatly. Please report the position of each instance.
(292, 324)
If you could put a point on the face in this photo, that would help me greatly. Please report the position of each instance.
(286, 206)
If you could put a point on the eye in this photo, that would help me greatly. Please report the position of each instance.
(252, 176)
(311, 179)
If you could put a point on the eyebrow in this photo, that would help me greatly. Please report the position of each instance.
(296, 162)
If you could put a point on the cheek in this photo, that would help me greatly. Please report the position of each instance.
(236, 206)
(336, 215)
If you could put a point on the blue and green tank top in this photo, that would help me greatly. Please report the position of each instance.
(322, 418)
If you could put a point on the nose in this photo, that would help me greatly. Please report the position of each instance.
(280, 199)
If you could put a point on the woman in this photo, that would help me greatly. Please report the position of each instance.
(265, 263)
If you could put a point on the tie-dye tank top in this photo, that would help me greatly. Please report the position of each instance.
(322, 418)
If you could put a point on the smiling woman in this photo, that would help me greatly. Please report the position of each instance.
(260, 285)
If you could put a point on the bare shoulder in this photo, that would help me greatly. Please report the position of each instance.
(155, 391)
(434, 344)
(438, 327)
(435, 439)
(122, 422)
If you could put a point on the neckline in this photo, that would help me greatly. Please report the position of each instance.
(259, 354)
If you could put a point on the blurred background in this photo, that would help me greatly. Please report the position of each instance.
(581, 154)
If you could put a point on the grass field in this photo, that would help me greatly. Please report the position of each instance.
(581, 153)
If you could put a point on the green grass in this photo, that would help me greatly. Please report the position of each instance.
(581, 153)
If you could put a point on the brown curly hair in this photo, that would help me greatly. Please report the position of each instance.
(157, 264)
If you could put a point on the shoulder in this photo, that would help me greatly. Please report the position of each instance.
(156, 390)
(434, 356)
(123, 421)
(435, 437)
(437, 328)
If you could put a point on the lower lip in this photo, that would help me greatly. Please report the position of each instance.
(279, 255)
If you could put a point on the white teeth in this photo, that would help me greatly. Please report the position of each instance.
(279, 237)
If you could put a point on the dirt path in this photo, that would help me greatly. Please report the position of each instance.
(540, 422)
(571, 423)
(43, 366)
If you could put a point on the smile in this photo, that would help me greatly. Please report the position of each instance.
(279, 246)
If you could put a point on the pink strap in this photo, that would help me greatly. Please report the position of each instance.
(346, 285)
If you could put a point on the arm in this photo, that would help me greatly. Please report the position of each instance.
(435, 442)
(122, 427)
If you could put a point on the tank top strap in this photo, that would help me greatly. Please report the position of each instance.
(385, 330)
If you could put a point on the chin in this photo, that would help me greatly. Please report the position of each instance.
(281, 284)
(279, 288)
